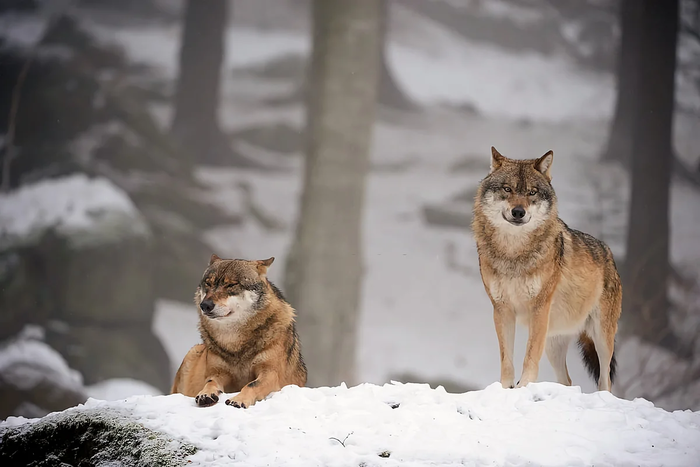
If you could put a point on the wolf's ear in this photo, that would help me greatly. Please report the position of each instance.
(544, 163)
(496, 159)
(263, 264)
(213, 259)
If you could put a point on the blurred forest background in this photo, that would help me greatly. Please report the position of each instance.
(345, 138)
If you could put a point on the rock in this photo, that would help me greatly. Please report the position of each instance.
(455, 212)
(35, 379)
(279, 137)
(76, 258)
(105, 352)
(448, 214)
(89, 437)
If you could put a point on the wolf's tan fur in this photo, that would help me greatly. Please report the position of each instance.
(557, 281)
(249, 338)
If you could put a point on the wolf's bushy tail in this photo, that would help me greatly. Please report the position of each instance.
(590, 358)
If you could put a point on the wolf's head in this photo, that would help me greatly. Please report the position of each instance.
(518, 194)
(233, 289)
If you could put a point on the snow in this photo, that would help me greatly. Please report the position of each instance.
(120, 388)
(494, 81)
(83, 209)
(26, 362)
(544, 424)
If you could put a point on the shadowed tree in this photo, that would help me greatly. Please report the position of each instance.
(619, 146)
(323, 276)
(195, 124)
(646, 271)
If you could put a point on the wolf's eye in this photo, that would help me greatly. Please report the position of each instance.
(507, 189)
(533, 192)
(232, 285)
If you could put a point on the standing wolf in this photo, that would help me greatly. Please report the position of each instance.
(250, 343)
(557, 281)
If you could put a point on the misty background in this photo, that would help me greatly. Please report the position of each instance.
(346, 139)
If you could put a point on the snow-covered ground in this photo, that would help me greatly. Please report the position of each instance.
(545, 424)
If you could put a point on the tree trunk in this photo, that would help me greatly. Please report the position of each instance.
(619, 146)
(195, 124)
(324, 271)
(390, 93)
(647, 261)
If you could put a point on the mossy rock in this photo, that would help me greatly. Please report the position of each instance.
(89, 437)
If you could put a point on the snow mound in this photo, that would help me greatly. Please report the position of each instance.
(86, 210)
(120, 388)
(545, 424)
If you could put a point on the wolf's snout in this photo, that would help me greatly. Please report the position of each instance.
(207, 306)
(518, 212)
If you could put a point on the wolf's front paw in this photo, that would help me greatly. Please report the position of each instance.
(239, 402)
(207, 399)
(523, 382)
(507, 384)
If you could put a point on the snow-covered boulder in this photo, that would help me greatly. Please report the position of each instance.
(85, 211)
(74, 258)
(544, 424)
(35, 379)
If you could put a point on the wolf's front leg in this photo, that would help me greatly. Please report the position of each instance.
(266, 382)
(209, 395)
(537, 337)
(504, 319)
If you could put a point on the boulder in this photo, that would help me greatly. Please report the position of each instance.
(88, 437)
(74, 258)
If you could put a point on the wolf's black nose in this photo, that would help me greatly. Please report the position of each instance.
(206, 305)
(518, 212)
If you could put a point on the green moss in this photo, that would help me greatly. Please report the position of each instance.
(89, 438)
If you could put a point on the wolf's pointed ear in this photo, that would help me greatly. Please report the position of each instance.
(544, 164)
(213, 259)
(263, 264)
(496, 159)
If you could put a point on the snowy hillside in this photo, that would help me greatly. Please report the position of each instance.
(411, 424)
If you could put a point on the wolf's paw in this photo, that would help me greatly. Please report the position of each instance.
(207, 399)
(236, 404)
(507, 384)
(522, 383)
(239, 402)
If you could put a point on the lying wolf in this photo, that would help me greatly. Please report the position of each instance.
(250, 344)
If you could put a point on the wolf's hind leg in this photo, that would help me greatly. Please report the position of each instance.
(603, 336)
(556, 349)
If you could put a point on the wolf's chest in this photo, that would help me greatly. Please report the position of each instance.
(515, 290)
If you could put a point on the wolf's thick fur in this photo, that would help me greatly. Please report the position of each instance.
(250, 343)
(537, 271)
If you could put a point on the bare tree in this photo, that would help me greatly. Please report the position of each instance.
(619, 146)
(195, 124)
(646, 271)
(324, 272)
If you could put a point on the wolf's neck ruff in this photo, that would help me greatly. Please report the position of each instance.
(234, 349)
